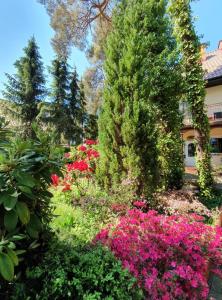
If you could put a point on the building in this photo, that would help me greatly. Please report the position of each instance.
(212, 64)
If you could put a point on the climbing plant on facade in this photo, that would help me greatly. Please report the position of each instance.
(194, 87)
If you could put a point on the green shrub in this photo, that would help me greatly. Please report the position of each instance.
(89, 274)
(25, 170)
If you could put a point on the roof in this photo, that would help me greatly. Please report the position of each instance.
(213, 64)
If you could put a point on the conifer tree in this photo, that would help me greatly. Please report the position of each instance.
(194, 87)
(26, 88)
(139, 103)
(91, 127)
(76, 108)
(59, 96)
(74, 131)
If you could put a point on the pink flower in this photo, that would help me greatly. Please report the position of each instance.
(67, 155)
(139, 204)
(168, 255)
(55, 179)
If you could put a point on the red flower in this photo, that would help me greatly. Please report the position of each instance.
(69, 167)
(91, 142)
(92, 153)
(55, 179)
(80, 165)
(67, 155)
(82, 148)
(67, 187)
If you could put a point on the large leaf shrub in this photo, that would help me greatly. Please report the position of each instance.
(25, 170)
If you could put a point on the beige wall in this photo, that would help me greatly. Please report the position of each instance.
(214, 95)
(190, 134)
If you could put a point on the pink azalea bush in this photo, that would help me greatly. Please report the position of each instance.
(169, 255)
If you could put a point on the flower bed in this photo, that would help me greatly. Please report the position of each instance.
(80, 163)
(169, 255)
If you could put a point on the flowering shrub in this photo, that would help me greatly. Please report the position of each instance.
(80, 163)
(169, 255)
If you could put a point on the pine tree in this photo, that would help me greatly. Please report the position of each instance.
(91, 127)
(75, 109)
(194, 87)
(139, 104)
(26, 88)
(59, 96)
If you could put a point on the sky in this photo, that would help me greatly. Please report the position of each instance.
(21, 19)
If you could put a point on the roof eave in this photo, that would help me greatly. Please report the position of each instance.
(214, 81)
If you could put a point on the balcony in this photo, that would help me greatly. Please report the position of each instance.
(214, 113)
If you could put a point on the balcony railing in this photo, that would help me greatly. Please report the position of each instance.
(214, 113)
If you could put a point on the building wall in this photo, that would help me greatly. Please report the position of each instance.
(214, 95)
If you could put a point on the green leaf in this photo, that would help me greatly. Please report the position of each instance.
(35, 223)
(23, 212)
(6, 267)
(19, 252)
(10, 220)
(25, 179)
(32, 232)
(13, 256)
(34, 226)
(25, 189)
(18, 237)
(34, 245)
(9, 199)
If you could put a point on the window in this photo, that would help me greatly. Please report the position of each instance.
(216, 145)
(218, 115)
(191, 150)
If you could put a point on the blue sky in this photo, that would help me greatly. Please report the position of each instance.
(20, 19)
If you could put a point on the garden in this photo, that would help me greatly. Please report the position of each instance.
(66, 238)
(96, 206)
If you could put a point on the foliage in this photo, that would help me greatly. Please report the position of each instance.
(168, 255)
(59, 95)
(67, 111)
(93, 77)
(26, 88)
(73, 20)
(76, 110)
(91, 127)
(78, 222)
(194, 87)
(66, 273)
(25, 169)
(140, 117)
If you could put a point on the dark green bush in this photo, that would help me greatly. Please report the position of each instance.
(25, 171)
(89, 274)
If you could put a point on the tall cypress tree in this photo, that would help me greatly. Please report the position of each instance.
(59, 96)
(126, 125)
(26, 88)
(139, 103)
(194, 87)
